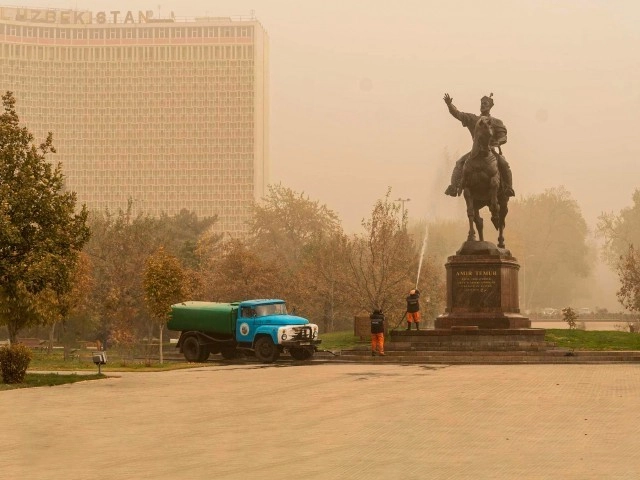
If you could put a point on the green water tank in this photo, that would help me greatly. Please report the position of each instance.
(204, 316)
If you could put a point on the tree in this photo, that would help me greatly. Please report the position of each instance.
(179, 234)
(286, 222)
(19, 309)
(620, 231)
(321, 286)
(304, 241)
(41, 234)
(164, 285)
(548, 235)
(56, 308)
(118, 251)
(231, 272)
(382, 261)
(628, 269)
(570, 317)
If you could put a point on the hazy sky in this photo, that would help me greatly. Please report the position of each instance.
(357, 86)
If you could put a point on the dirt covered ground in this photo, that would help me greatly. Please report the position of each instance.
(330, 421)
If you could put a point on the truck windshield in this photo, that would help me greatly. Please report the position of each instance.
(271, 309)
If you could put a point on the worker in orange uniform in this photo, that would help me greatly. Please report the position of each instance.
(377, 332)
(413, 309)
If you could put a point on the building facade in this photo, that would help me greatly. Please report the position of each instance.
(167, 114)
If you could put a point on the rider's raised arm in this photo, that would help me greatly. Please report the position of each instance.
(467, 119)
(454, 111)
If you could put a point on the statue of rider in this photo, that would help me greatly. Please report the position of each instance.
(469, 121)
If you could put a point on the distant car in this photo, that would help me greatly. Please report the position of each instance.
(549, 312)
(584, 311)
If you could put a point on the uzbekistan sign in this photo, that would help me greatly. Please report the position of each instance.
(73, 17)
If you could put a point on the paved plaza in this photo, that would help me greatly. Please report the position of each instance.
(330, 421)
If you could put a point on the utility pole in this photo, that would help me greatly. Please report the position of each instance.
(403, 201)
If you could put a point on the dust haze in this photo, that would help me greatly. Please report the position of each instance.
(357, 86)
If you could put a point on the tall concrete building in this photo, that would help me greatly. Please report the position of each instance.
(169, 113)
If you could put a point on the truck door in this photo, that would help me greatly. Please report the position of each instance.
(245, 329)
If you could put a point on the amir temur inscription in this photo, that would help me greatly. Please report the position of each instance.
(479, 288)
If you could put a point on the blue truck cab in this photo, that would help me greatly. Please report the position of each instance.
(260, 327)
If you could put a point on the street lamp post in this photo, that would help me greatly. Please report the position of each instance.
(403, 201)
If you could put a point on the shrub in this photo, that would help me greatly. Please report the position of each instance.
(14, 361)
(569, 316)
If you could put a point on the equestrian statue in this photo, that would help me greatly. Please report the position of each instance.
(483, 175)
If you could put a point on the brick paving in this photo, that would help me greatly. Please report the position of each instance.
(363, 355)
(330, 421)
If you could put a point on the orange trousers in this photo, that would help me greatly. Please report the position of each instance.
(377, 342)
(413, 317)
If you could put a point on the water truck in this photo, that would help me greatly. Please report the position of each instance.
(257, 327)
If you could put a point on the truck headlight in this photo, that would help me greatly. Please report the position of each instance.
(284, 336)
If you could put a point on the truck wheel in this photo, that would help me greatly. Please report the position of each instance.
(266, 350)
(229, 353)
(191, 349)
(204, 353)
(300, 353)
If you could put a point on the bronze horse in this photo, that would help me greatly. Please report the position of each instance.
(481, 183)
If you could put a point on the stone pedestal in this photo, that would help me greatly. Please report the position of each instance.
(482, 289)
(468, 339)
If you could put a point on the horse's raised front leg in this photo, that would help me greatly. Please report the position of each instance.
(470, 214)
